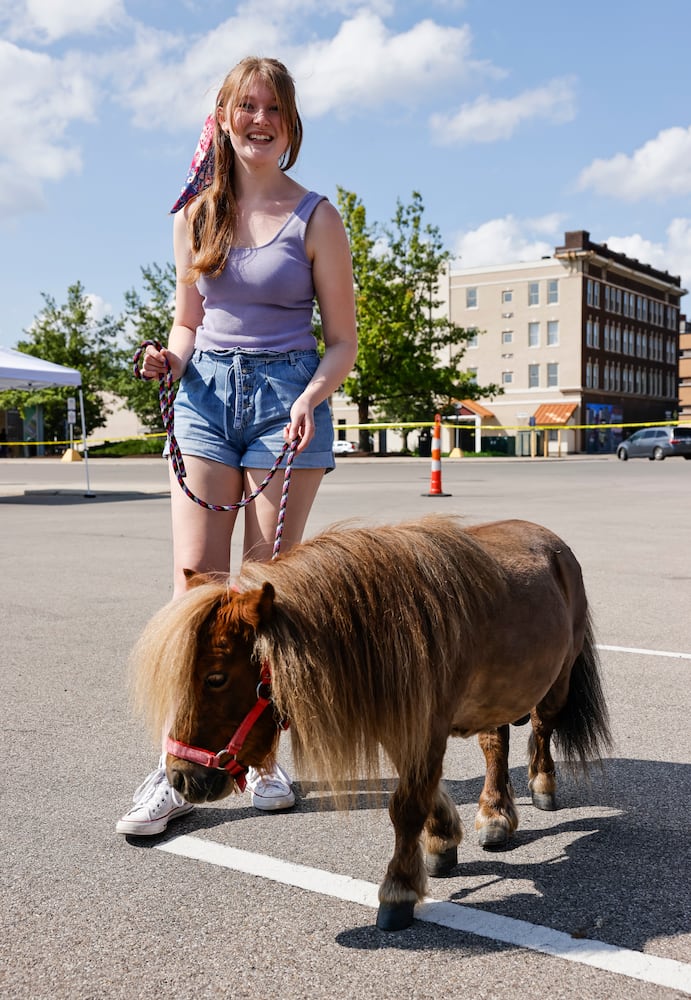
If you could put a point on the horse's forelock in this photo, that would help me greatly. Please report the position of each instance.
(243, 612)
(162, 661)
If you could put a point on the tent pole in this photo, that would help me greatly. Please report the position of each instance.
(84, 447)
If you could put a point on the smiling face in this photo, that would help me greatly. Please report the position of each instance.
(255, 124)
(256, 109)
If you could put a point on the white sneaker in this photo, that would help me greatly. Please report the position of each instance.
(155, 803)
(270, 789)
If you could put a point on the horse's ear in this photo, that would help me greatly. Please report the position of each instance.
(266, 601)
(194, 579)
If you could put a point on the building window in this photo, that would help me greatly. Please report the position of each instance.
(507, 295)
(471, 298)
(533, 376)
(507, 336)
(596, 294)
(533, 334)
(552, 332)
(588, 376)
(533, 293)
(596, 334)
(589, 333)
(506, 378)
(472, 375)
(472, 339)
(596, 375)
(552, 292)
(552, 374)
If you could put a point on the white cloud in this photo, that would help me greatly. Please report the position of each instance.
(659, 169)
(100, 309)
(488, 120)
(41, 97)
(363, 66)
(673, 256)
(49, 20)
(366, 66)
(507, 240)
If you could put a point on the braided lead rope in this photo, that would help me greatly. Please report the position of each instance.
(166, 396)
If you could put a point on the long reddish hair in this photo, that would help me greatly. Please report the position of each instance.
(213, 214)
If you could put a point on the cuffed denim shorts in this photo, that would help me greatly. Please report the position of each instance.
(232, 407)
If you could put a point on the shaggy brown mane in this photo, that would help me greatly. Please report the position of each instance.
(363, 616)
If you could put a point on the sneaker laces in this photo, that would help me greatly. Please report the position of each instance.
(275, 778)
(150, 785)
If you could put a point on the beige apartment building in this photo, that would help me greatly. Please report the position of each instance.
(584, 343)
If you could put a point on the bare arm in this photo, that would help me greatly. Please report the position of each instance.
(188, 312)
(332, 271)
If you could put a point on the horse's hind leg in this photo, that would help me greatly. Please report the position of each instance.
(496, 818)
(542, 779)
(441, 835)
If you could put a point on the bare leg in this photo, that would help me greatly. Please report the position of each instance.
(496, 819)
(201, 538)
(262, 514)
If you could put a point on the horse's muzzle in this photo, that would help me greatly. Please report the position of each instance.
(199, 784)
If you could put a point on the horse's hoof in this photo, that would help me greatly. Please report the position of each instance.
(395, 916)
(438, 865)
(493, 837)
(522, 721)
(545, 801)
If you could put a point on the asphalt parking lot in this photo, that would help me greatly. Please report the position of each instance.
(592, 901)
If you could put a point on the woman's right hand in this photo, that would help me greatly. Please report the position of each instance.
(153, 364)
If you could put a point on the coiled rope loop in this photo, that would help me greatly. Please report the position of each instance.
(166, 396)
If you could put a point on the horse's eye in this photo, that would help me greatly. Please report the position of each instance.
(216, 680)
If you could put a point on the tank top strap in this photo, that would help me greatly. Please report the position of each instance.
(304, 209)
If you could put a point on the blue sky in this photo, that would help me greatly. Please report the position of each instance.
(515, 122)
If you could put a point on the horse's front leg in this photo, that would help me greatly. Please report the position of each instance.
(496, 818)
(406, 877)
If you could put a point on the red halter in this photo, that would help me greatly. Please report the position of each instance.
(213, 760)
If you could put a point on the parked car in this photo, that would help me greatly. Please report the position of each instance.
(656, 443)
(344, 447)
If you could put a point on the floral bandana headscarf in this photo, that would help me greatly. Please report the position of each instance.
(201, 168)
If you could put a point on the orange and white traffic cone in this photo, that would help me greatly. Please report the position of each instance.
(435, 489)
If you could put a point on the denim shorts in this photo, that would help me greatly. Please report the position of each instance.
(232, 407)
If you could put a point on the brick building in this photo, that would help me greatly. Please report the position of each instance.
(585, 340)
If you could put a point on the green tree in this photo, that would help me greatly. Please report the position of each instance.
(69, 335)
(147, 317)
(403, 332)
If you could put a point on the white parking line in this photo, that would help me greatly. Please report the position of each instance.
(647, 652)
(635, 964)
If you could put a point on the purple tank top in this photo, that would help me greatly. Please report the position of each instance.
(263, 298)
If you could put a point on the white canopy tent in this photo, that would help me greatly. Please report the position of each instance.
(25, 372)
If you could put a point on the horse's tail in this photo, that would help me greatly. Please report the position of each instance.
(582, 730)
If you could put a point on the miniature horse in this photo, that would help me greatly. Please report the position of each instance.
(392, 637)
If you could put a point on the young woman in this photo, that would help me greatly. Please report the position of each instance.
(253, 250)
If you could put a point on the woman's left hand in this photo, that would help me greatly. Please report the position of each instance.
(301, 424)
